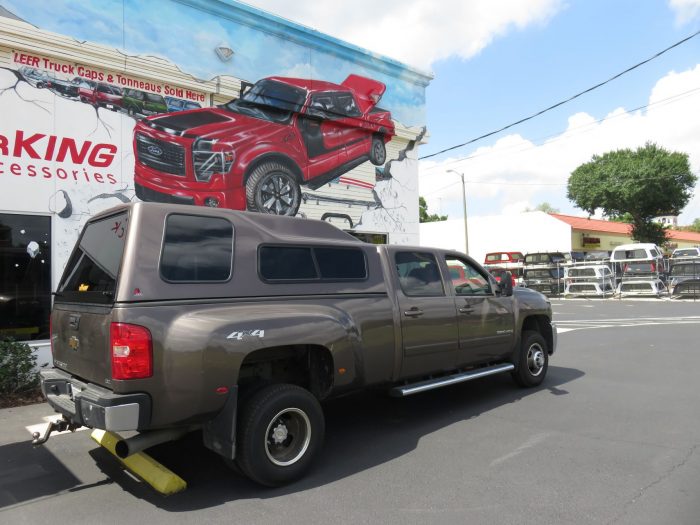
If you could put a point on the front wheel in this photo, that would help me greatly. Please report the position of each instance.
(534, 360)
(377, 152)
(273, 188)
(280, 432)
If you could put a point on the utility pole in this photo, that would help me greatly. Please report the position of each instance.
(464, 207)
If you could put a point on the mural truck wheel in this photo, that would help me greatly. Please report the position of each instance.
(273, 188)
(377, 153)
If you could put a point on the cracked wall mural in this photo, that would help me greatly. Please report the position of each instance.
(303, 126)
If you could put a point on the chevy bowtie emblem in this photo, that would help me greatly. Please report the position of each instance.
(73, 343)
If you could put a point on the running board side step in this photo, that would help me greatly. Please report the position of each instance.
(430, 384)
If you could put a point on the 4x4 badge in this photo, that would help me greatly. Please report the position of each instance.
(73, 343)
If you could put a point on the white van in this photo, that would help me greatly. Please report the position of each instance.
(640, 269)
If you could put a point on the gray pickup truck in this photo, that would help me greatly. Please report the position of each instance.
(170, 319)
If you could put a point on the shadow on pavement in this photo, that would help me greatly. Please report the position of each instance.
(362, 431)
(28, 473)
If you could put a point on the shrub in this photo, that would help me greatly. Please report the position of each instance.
(17, 367)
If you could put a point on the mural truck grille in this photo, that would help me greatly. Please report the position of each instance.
(158, 154)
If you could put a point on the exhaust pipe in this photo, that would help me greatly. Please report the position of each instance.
(126, 447)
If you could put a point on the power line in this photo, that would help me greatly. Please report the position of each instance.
(561, 134)
(561, 103)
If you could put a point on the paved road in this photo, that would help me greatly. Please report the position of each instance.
(612, 437)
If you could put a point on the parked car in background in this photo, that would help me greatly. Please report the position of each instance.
(85, 88)
(511, 261)
(34, 77)
(179, 104)
(503, 273)
(106, 96)
(43, 79)
(641, 269)
(595, 280)
(546, 280)
(684, 277)
(140, 103)
(685, 252)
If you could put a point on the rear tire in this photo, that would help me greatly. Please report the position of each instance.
(534, 360)
(280, 432)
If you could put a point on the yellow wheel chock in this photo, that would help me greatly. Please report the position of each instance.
(142, 465)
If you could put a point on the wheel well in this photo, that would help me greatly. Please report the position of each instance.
(541, 324)
(307, 366)
(282, 159)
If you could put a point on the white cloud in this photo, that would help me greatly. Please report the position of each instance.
(416, 32)
(502, 176)
(686, 10)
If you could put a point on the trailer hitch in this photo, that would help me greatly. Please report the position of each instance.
(39, 438)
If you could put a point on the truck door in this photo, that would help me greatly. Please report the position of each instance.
(428, 316)
(485, 320)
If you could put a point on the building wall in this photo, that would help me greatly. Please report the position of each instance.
(65, 156)
(595, 241)
(525, 232)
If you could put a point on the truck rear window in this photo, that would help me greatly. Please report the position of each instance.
(196, 249)
(91, 273)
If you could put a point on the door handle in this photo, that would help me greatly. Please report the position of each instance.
(413, 312)
(466, 310)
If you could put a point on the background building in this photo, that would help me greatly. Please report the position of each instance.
(538, 231)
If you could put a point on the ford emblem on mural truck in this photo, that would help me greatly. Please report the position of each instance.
(204, 103)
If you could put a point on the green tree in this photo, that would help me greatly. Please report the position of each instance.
(645, 183)
(695, 226)
(545, 207)
(423, 212)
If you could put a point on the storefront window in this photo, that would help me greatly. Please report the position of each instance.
(25, 276)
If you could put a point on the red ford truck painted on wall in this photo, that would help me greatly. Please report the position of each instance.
(256, 151)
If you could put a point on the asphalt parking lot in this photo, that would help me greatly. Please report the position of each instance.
(611, 437)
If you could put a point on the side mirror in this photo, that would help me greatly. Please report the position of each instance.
(506, 285)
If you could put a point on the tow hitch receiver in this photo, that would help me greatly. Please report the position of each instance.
(39, 438)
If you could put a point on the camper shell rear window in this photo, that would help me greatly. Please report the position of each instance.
(92, 270)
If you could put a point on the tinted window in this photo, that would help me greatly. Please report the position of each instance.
(196, 249)
(337, 263)
(286, 263)
(419, 274)
(91, 272)
(630, 254)
(346, 105)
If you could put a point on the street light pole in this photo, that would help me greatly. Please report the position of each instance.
(464, 206)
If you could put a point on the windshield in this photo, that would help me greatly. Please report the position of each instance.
(269, 100)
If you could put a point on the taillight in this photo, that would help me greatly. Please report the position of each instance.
(653, 267)
(627, 267)
(132, 351)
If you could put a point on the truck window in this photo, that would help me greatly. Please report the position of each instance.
(91, 272)
(196, 249)
(419, 274)
(294, 263)
(469, 281)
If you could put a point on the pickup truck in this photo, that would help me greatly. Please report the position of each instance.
(170, 319)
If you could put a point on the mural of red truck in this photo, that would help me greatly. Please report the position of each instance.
(255, 152)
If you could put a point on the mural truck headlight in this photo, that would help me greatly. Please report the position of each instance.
(206, 161)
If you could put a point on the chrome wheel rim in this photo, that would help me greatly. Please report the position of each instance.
(535, 359)
(278, 194)
(287, 437)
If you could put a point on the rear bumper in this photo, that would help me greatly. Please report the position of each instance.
(94, 406)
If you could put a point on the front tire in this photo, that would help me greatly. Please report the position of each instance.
(280, 432)
(534, 360)
(273, 188)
